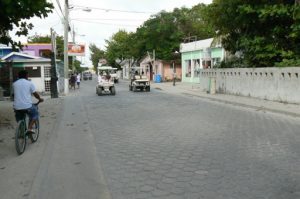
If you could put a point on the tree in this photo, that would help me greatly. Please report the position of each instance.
(119, 47)
(96, 55)
(166, 30)
(163, 33)
(265, 32)
(14, 15)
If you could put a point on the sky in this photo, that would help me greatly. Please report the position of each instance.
(104, 19)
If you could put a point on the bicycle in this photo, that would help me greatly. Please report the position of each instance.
(22, 134)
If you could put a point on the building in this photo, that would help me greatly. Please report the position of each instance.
(199, 55)
(38, 49)
(4, 50)
(37, 67)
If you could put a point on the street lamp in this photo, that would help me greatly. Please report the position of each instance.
(174, 70)
(66, 31)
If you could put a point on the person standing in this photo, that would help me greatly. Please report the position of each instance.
(78, 80)
(23, 89)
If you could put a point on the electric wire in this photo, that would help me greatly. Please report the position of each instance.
(113, 24)
(59, 6)
(113, 10)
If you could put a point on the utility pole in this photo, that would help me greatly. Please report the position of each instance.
(11, 79)
(174, 73)
(66, 64)
(53, 82)
(73, 57)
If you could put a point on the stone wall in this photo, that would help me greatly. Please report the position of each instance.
(277, 84)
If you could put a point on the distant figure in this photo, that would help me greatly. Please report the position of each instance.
(99, 78)
(72, 81)
(78, 80)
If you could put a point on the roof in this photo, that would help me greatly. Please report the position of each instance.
(3, 46)
(105, 67)
(196, 45)
(19, 54)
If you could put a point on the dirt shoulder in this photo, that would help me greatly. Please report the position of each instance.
(19, 171)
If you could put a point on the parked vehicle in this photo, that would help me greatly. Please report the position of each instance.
(87, 76)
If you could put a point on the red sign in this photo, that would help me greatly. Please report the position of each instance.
(76, 49)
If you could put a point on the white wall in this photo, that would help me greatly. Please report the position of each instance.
(39, 84)
(278, 84)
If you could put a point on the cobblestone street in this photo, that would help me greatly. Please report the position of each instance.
(158, 145)
(163, 144)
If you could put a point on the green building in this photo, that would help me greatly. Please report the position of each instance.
(199, 55)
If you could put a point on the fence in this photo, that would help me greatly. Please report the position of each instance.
(277, 84)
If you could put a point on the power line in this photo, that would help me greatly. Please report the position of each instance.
(106, 19)
(114, 10)
(56, 11)
(59, 6)
(113, 24)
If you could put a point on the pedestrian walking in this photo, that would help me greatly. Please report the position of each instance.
(78, 80)
(72, 81)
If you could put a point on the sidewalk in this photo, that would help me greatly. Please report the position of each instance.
(193, 89)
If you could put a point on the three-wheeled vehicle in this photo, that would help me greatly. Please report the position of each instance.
(105, 82)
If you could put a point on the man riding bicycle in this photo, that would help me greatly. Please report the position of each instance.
(23, 89)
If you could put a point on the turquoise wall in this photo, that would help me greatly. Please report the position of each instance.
(215, 52)
(189, 56)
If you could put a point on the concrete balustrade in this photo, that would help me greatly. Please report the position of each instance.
(277, 84)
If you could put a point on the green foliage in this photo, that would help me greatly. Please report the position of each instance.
(163, 33)
(14, 14)
(166, 30)
(288, 63)
(77, 66)
(119, 47)
(231, 62)
(96, 55)
(265, 32)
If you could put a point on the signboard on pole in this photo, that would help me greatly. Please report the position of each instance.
(76, 49)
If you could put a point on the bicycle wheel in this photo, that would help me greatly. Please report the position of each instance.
(36, 131)
(20, 137)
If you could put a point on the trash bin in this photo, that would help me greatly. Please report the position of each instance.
(157, 78)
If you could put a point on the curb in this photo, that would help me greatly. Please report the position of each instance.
(258, 108)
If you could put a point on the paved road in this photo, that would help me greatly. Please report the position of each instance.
(157, 145)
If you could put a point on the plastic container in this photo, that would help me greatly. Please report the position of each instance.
(158, 78)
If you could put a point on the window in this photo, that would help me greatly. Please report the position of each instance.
(47, 71)
(34, 71)
(47, 85)
(216, 61)
(196, 63)
(188, 68)
(206, 64)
